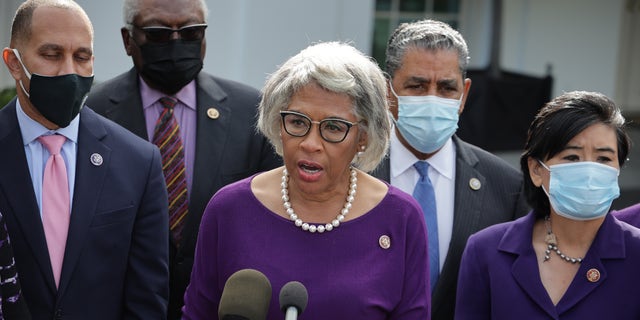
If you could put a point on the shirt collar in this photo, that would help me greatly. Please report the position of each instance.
(401, 159)
(186, 95)
(32, 129)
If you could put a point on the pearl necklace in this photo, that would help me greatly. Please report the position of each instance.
(552, 245)
(322, 227)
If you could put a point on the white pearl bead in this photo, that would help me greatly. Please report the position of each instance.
(320, 228)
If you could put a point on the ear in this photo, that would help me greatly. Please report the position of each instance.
(467, 86)
(536, 171)
(12, 62)
(362, 141)
(126, 40)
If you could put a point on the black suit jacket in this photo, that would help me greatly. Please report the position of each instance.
(500, 198)
(116, 258)
(227, 149)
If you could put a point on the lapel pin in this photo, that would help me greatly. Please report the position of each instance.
(213, 113)
(475, 184)
(593, 275)
(384, 242)
(96, 159)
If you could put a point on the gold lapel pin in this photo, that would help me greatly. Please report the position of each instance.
(475, 184)
(213, 113)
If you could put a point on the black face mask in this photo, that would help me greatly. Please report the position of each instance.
(58, 98)
(171, 65)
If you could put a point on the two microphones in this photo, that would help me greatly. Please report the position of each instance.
(247, 295)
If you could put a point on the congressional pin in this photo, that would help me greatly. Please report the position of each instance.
(475, 184)
(593, 275)
(213, 113)
(384, 242)
(96, 159)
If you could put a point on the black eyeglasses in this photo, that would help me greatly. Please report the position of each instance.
(331, 129)
(163, 34)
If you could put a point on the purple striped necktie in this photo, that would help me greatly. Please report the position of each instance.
(167, 137)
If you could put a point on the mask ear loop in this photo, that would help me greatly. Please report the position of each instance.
(542, 185)
(15, 51)
(544, 165)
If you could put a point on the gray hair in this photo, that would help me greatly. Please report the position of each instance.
(425, 34)
(339, 68)
(131, 9)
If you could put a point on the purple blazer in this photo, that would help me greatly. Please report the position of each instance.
(499, 276)
(630, 215)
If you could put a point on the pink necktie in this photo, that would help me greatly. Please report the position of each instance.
(55, 202)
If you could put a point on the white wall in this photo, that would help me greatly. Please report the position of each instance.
(248, 39)
(580, 39)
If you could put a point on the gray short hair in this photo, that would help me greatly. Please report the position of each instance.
(425, 34)
(131, 9)
(339, 68)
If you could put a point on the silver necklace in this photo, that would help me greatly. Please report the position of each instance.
(321, 227)
(552, 245)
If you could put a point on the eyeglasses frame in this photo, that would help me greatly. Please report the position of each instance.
(179, 30)
(349, 124)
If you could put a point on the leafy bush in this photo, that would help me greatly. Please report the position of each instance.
(6, 95)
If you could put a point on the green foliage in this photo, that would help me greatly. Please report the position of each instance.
(6, 95)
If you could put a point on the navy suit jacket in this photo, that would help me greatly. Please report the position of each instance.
(116, 258)
(500, 198)
(228, 148)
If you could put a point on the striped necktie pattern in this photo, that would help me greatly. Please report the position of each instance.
(167, 137)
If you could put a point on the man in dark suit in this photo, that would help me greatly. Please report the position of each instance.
(216, 117)
(426, 62)
(95, 246)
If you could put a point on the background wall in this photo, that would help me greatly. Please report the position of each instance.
(583, 41)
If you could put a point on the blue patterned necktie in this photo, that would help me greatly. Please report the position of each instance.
(423, 192)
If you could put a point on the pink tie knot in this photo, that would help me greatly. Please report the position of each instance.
(53, 142)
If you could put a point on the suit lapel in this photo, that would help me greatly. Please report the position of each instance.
(15, 183)
(608, 244)
(90, 176)
(517, 241)
(466, 218)
(127, 105)
(211, 135)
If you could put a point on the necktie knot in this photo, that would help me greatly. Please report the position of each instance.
(53, 142)
(168, 103)
(423, 169)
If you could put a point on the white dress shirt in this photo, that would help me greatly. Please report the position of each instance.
(442, 172)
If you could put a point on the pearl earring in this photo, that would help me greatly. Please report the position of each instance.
(362, 148)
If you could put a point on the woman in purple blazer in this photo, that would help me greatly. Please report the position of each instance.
(568, 258)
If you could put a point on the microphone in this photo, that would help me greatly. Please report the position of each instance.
(246, 296)
(293, 299)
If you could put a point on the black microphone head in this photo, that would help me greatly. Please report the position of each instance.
(246, 295)
(293, 294)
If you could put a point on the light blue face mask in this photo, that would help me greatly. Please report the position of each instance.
(582, 190)
(427, 122)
